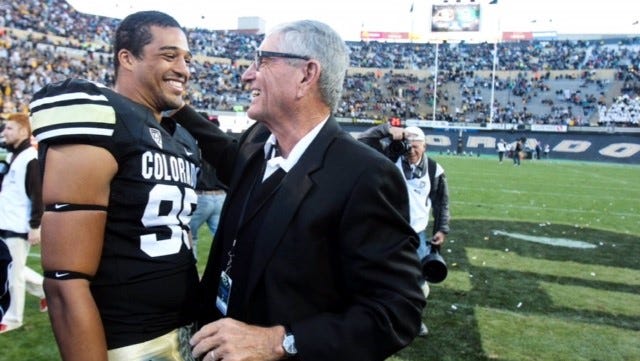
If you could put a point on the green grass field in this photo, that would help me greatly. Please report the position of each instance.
(511, 295)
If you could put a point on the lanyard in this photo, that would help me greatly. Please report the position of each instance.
(273, 152)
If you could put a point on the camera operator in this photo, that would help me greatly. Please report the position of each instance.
(426, 183)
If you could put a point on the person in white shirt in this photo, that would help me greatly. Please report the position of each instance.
(426, 184)
(20, 214)
(501, 147)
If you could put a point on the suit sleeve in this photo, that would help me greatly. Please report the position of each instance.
(380, 270)
(374, 135)
(379, 138)
(218, 148)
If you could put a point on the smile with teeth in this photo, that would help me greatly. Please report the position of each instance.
(255, 93)
(176, 84)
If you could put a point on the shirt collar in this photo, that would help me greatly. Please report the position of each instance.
(298, 150)
(416, 170)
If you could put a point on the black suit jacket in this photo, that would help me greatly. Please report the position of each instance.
(335, 258)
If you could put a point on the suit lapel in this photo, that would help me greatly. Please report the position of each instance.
(252, 147)
(295, 186)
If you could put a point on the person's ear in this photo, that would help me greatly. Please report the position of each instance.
(310, 77)
(126, 59)
(24, 132)
(311, 72)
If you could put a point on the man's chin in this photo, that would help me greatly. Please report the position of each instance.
(173, 105)
(252, 113)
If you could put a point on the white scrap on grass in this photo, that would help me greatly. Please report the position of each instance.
(519, 305)
(560, 242)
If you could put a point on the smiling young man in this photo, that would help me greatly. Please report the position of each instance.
(119, 184)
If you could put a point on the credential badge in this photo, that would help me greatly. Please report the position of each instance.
(156, 136)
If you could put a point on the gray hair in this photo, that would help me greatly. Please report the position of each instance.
(318, 41)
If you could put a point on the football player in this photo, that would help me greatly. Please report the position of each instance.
(118, 190)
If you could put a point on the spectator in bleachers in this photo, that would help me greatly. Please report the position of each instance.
(56, 30)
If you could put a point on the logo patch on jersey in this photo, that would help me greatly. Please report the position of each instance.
(156, 136)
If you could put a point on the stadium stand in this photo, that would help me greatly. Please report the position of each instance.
(563, 82)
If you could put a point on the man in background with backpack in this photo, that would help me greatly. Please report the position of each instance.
(426, 183)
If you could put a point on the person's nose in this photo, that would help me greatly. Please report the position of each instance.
(182, 68)
(250, 73)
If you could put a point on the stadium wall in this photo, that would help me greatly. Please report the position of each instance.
(593, 146)
(596, 147)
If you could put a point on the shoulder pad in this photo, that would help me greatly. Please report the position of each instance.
(73, 111)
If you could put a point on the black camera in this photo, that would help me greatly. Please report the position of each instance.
(398, 148)
(434, 268)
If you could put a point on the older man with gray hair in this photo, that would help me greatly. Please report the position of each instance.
(298, 269)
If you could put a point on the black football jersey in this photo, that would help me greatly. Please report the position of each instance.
(146, 282)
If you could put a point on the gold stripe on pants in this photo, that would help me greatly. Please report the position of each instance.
(173, 346)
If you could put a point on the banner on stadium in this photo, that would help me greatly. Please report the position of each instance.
(427, 123)
(364, 121)
(545, 35)
(517, 35)
(383, 35)
(548, 128)
(503, 126)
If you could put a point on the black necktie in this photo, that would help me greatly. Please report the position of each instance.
(263, 190)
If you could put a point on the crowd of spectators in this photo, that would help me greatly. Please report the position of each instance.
(386, 80)
(624, 111)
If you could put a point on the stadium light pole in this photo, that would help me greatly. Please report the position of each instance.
(493, 82)
(495, 63)
(435, 84)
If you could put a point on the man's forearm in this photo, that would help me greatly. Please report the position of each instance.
(378, 132)
(75, 321)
